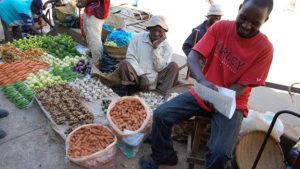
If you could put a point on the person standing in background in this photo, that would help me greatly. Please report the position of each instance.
(95, 12)
(214, 15)
(15, 13)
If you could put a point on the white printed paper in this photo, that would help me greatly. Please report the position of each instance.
(223, 99)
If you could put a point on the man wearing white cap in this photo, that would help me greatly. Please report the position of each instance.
(148, 61)
(214, 15)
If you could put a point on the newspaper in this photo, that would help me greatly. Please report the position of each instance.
(223, 99)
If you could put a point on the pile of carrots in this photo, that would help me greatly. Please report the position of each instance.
(10, 53)
(128, 114)
(19, 70)
(89, 140)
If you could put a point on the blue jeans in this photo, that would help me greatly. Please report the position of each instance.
(224, 131)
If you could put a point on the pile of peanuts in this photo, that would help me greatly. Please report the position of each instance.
(88, 140)
(128, 114)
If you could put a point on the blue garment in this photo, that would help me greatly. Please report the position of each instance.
(224, 131)
(190, 41)
(39, 5)
(16, 12)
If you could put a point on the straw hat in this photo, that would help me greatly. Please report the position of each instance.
(158, 21)
(215, 9)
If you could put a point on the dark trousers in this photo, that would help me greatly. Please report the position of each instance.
(224, 131)
(11, 32)
(166, 79)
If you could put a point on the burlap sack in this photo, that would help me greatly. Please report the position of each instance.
(104, 159)
(145, 127)
(108, 79)
(127, 148)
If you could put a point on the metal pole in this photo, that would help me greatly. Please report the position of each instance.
(269, 132)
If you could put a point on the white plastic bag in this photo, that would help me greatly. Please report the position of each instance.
(130, 145)
(262, 121)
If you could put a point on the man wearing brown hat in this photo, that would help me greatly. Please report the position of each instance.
(214, 15)
(148, 61)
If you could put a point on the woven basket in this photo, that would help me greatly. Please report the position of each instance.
(116, 52)
(110, 79)
(104, 34)
(248, 147)
(62, 12)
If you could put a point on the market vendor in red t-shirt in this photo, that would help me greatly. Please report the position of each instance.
(236, 56)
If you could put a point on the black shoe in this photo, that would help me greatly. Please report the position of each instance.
(146, 162)
(2, 134)
(3, 113)
(172, 160)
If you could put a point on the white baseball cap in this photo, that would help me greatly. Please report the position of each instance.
(215, 9)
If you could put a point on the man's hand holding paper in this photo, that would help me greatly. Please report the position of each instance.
(222, 99)
(210, 85)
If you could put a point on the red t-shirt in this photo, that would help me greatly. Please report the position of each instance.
(231, 59)
(95, 5)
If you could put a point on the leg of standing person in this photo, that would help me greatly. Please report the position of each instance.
(8, 32)
(93, 29)
(17, 32)
(168, 77)
(224, 135)
(3, 113)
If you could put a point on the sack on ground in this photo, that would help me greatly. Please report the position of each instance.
(262, 121)
(108, 79)
(92, 146)
(131, 120)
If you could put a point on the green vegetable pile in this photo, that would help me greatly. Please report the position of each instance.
(66, 73)
(58, 46)
(19, 94)
(42, 79)
(30, 42)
